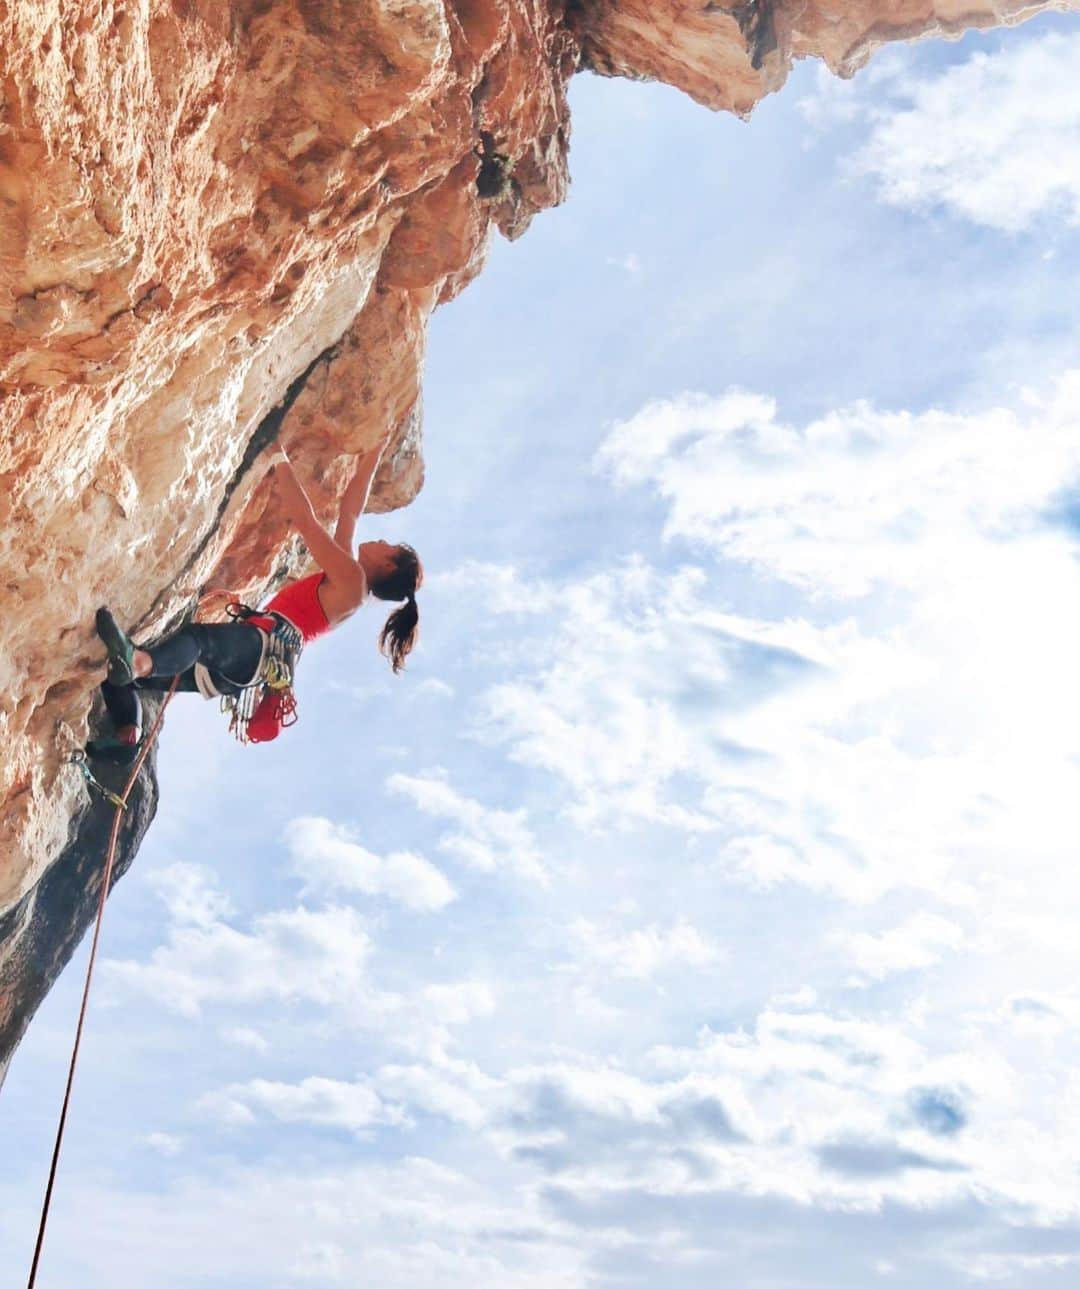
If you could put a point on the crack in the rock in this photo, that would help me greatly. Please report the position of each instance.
(756, 23)
(264, 434)
(495, 179)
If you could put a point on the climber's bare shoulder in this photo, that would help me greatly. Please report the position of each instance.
(340, 598)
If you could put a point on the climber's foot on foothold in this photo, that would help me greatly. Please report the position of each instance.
(121, 650)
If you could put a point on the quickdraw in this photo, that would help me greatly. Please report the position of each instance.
(276, 676)
(79, 759)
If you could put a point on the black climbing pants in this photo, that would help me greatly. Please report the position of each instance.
(229, 650)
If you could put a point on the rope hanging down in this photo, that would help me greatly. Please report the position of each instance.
(119, 804)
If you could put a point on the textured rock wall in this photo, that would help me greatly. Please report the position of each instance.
(43, 929)
(202, 201)
(729, 56)
(197, 200)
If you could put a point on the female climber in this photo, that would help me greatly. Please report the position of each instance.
(249, 661)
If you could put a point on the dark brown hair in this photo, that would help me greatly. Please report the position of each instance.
(402, 627)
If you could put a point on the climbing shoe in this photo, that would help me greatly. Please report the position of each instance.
(121, 650)
(113, 750)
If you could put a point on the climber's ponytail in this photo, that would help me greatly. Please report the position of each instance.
(402, 626)
(399, 633)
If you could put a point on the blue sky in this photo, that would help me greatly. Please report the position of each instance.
(699, 903)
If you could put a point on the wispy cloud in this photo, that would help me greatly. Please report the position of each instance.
(643, 951)
(302, 966)
(991, 140)
(329, 859)
(352, 1107)
(191, 894)
(245, 1036)
(452, 1089)
(859, 498)
(292, 955)
(919, 942)
(165, 1143)
(485, 838)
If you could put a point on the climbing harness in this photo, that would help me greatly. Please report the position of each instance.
(119, 802)
(268, 697)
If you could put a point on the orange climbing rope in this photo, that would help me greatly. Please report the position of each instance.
(120, 804)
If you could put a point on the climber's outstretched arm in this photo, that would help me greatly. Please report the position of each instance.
(355, 500)
(336, 562)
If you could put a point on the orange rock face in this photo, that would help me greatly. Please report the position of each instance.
(196, 200)
(730, 55)
(201, 198)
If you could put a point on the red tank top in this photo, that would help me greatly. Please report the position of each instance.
(299, 602)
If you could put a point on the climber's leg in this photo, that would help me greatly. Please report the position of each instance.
(231, 648)
(232, 651)
(124, 706)
(175, 654)
(125, 710)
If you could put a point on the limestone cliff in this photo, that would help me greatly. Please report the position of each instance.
(203, 202)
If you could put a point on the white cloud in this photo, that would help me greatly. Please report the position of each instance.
(328, 858)
(436, 687)
(191, 893)
(793, 750)
(919, 942)
(644, 951)
(291, 955)
(397, 1224)
(841, 1109)
(602, 1127)
(992, 140)
(485, 838)
(836, 101)
(245, 1036)
(301, 965)
(353, 1107)
(165, 1143)
(501, 585)
(942, 536)
(453, 1089)
(427, 1020)
(858, 498)
(809, 1109)
(461, 1001)
(605, 710)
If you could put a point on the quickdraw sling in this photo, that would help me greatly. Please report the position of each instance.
(268, 700)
